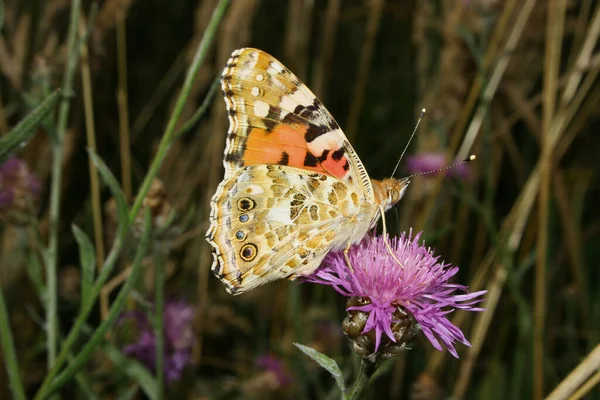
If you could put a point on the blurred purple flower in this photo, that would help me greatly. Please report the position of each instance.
(18, 186)
(420, 287)
(178, 337)
(275, 366)
(426, 162)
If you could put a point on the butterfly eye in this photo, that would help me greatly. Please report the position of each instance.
(248, 252)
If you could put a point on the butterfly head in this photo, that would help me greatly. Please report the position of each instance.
(389, 191)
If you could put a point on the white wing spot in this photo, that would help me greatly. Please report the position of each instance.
(281, 215)
(255, 91)
(261, 109)
(253, 189)
(259, 77)
(329, 140)
(276, 66)
(290, 102)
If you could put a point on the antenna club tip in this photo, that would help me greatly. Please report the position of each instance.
(423, 110)
(472, 157)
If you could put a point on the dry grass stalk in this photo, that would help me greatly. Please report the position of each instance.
(554, 37)
(474, 93)
(323, 61)
(90, 131)
(122, 101)
(297, 37)
(234, 32)
(364, 67)
(578, 376)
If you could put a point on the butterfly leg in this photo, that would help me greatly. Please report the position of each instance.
(346, 256)
(386, 236)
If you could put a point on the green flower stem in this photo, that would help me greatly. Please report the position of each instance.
(115, 310)
(57, 160)
(113, 255)
(170, 134)
(159, 319)
(364, 374)
(8, 353)
(202, 110)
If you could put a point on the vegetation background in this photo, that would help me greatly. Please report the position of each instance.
(514, 82)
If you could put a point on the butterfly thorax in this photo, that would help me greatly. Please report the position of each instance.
(389, 191)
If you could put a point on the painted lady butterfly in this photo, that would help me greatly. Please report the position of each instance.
(294, 188)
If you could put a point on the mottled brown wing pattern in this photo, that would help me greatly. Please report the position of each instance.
(273, 222)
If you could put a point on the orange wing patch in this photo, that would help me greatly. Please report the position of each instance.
(275, 119)
(285, 145)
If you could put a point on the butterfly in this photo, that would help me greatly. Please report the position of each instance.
(294, 188)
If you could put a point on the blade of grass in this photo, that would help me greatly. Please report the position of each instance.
(159, 309)
(585, 368)
(26, 129)
(86, 260)
(90, 132)
(586, 387)
(115, 310)
(122, 100)
(57, 161)
(133, 369)
(169, 135)
(364, 67)
(105, 272)
(8, 353)
(1, 14)
(123, 229)
(554, 33)
(202, 110)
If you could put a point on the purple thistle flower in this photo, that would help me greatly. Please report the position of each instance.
(275, 366)
(419, 288)
(425, 162)
(18, 187)
(178, 339)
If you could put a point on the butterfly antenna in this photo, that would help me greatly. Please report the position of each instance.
(409, 140)
(466, 160)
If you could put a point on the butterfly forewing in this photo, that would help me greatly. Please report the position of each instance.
(275, 119)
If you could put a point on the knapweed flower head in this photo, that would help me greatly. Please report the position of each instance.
(387, 297)
(19, 188)
(178, 338)
(425, 162)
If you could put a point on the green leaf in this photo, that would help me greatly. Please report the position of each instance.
(25, 130)
(87, 259)
(134, 369)
(113, 185)
(325, 362)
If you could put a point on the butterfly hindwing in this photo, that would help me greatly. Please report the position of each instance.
(272, 222)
